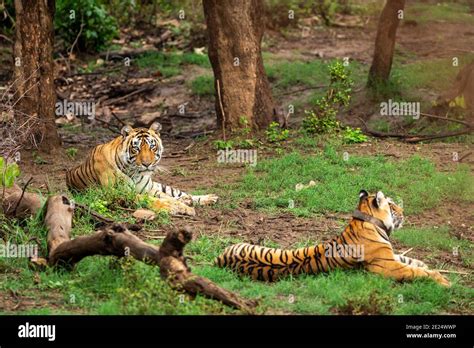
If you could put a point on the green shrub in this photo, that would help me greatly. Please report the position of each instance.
(275, 133)
(354, 135)
(323, 118)
(98, 27)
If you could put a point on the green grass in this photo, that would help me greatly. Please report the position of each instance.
(436, 239)
(203, 85)
(443, 11)
(169, 64)
(130, 287)
(416, 181)
(433, 74)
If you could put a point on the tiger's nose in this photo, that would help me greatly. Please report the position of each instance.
(146, 163)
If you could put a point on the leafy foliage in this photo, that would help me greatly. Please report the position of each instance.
(354, 135)
(98, 27)
(323, 118)
(8, 172)
(275, 133)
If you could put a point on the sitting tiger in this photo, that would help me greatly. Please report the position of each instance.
(363, 243)
(134, 157)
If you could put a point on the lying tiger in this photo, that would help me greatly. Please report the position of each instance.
(133, 157)
(368, 231)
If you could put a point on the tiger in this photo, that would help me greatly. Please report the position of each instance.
(364, 243)
(134, 157)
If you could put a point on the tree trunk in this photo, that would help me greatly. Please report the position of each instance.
(385, 41)
(34, 70)
(235, 29)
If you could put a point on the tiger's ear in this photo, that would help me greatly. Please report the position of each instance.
(126, 130)
(363, 194)
(379, 197)
(156, 127)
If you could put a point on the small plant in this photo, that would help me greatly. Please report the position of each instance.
(354, 135)
(223, 144)
(276, 134)
(8, 172)
(323, 118)
(71, 152)
(246, 144)
(37, 159)
(100, 206)
(244, 124)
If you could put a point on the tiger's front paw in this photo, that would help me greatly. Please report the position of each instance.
(205, 199)
(439, 278)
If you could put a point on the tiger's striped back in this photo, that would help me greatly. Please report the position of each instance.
(270, 264)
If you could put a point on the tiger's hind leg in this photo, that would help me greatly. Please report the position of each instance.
(204, 199)
(401, 271)
(409, 261)
(156, 189)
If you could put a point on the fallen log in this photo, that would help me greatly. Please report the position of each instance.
(117, 240)
(20, 204)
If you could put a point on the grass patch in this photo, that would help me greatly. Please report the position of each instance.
(436, 239)
(447, 12)
(169, 64)
(271, 185)
(433, 74)
(106, 285)
(203, 86)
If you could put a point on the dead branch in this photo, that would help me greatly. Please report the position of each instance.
(222, 109)
(424, 137)
(300, 90)
(449, 271)
(117, 240)
(22, 194)
(16, 205)
(128, 95)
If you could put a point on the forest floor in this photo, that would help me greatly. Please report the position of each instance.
(437, 191)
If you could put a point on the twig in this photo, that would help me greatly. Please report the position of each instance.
(22, 194)
(139, 90)
(414, 139)
(75, 41)
(94, 214)
(109, 126)
(118, 118)
(6, 38)
(222, 109)
(465, 156)
(300, 90)
(449, 271)
(446, 119)
(406, 252)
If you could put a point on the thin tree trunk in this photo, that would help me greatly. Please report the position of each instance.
(235, 29)
(385, 41)
(34, 70)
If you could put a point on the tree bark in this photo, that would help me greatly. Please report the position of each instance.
(235, 29)
(34, 70)
(385, 42)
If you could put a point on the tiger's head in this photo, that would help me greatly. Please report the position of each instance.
(383, 208)
(142, 147)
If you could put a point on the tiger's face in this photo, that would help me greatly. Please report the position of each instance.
(383, 208)
(142, 147)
